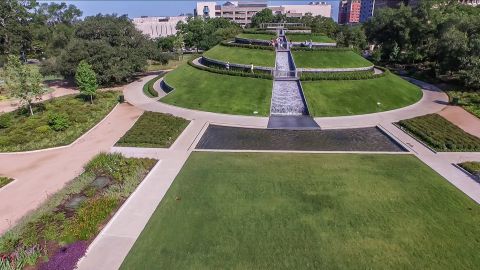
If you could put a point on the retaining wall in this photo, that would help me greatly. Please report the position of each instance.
(209, 62)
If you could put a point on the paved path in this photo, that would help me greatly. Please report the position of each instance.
(40, 174)
(115, 241)
(463, 119)
(58, 91)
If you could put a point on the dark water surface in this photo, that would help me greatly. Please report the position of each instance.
(237, 138)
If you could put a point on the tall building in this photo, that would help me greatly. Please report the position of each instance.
(470, 2)
(349, 11)
(369, 7)
(158, 26)
(242, 12)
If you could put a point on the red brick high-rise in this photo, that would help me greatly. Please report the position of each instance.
(349, 11)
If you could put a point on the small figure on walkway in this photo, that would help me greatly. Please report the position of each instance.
(228, 65)
(251, 67)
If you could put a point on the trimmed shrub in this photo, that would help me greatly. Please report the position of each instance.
(248, 46)
(6, 120)
(58, 121)
(355, 75)
(148, 87)
(43, 129)
(232, 72)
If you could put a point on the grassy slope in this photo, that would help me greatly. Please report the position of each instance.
(350, 97)
(284, 211)
(257, 36)
(265, 58)
(308, 37)
(329, 59)
(33, 132)
(154, 130)
(206, 91)
(470, 101)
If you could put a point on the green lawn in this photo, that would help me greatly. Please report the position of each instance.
(308, 37)
(309, 211)
(329, 59)
(440, 134)
(206, 91)
(351, 97)
(265, 58)
(257, 36)
(56, 122)
(154, 130)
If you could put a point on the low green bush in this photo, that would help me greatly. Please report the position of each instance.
(440, 134)
(354, 75)
(232, 72)
(154, 130)
(58, 121)
(472, 167)
(321, 49)
(248, 46)
(6, 120)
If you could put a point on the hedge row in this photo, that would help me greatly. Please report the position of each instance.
(440, 134)
(343, 49)
(148, 87)
(232, 72)
(248, 46)
(471, 167)
(353, 75)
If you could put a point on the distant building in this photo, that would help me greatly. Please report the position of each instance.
(470, 2)
(242, 12)
(158, 26)
(349, 11)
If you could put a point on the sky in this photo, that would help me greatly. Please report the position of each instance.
(157, 7)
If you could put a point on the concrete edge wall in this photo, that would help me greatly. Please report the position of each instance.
(333, 70)
(206, 60)
(252, 41)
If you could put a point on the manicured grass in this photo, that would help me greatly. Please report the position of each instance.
(154, 130)
(207, 91)
(308, 37)
(351, 97)
(4, 181)
(440, 134)
(61, 228)
(472, 167)
(257, 36)
(329, 59)
(24, 132)
(265, 58)
(300, 211)
(470, 101)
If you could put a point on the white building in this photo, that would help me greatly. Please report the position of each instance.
(242, 12)
(158, 26)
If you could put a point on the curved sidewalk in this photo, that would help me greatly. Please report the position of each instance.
(433, 101)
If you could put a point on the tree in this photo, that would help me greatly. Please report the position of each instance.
(352, 36)
(23, 82)
(178, 45)
(86, 80)
(263, 16)
(112, 45)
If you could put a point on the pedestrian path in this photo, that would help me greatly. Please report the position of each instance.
(463, 119)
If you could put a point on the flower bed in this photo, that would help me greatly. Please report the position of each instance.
(440, 134)
(58, 233)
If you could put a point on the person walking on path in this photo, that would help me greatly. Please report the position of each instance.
(251, 67)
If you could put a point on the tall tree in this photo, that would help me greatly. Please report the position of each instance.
(86, 80)
(263, 16)
(23, 82)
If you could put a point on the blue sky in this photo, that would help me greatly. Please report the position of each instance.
(156, 7)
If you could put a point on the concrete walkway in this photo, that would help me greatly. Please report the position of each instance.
(42, 173)
(463, 119)
(115, 241)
